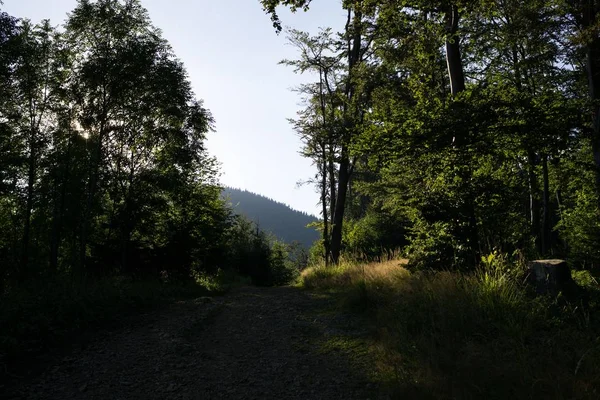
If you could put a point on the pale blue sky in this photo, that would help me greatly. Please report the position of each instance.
(231, 53)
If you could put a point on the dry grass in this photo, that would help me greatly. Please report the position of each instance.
(348, 273)
(449, 335)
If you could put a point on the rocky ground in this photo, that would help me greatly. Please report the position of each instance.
(252, 343)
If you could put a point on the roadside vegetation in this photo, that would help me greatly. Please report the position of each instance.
(443, 334)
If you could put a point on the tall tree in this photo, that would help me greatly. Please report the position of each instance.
(318, 124)
(351, 94)
(36, 89)
(586, 14)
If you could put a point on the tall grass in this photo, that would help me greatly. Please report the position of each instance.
(448, 335)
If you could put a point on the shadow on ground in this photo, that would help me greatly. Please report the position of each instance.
(254, 343)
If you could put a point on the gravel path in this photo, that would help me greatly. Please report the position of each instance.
(253, 343)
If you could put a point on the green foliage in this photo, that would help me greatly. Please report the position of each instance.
(374, 236)
(316, 253)
(109, 200)
(585, 279)
(95, 184)
(267, 261)
(432, 245)
(270, 7)
(503, 163)
(580, 226)
(283, 270)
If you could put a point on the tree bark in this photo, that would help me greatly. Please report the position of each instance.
(327, 162)
(534, 205)
(324, 205)
(546, 245)
(59, 211)
(338, 217)
(354, 54)
(94, 175)
(453, 58)
(332, 181)
(587, 14)
(457, 85)
(31, 174)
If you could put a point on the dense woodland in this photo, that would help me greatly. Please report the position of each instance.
(453, 129)
(447, 130)
(463, 136)
(103, 167)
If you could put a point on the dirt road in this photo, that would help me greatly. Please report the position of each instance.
(252, 343)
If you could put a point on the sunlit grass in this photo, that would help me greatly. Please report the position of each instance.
(479, 335)
(347, 273)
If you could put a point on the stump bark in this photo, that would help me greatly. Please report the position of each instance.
(550, 276)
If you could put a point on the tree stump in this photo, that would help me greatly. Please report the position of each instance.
(550, 276)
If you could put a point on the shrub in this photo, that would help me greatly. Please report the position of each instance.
(580, 227)
(282, 269)
(374, 236)
(433, 245)
(262, 258)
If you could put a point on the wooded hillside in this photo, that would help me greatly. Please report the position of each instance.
(271, 216)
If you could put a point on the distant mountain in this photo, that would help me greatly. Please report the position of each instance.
(282, 221)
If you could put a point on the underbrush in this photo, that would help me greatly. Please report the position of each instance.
(446, 335)
(56, 312)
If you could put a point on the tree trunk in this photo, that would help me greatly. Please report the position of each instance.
(560, 240)
(94, 175)
(127, 222)
(593, 72)
(354, 42)
(590, 9)
(332, 182)
(534, 206)
(59, 211)
(453, 58)
(327, 162)
(457, 84)
(546, 228)
(28, 207)
(95, 164)
(338, 217)
(551, 277)
(324, 205)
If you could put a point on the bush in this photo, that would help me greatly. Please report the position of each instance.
(316, 253)
(263, 259)
(433, 245)
(374, 236)
(580, 227)
(283, 271)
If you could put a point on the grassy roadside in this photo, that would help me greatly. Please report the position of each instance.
(47, 316)
(445, 335)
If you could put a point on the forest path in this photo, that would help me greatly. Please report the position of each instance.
(252, 343)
